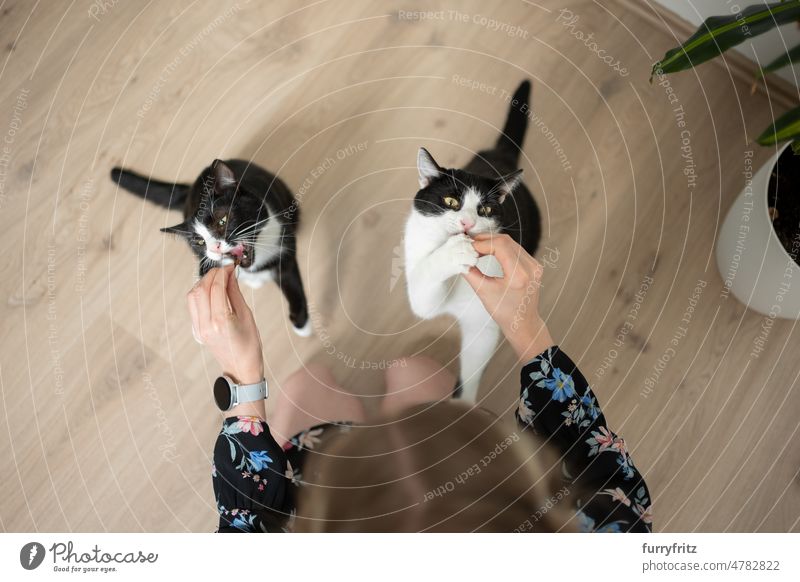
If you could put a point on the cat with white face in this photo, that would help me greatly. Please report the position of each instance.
(451, 207)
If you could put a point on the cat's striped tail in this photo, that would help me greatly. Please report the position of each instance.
(161, 193)
(513, 135)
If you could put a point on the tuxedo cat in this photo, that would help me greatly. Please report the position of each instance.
(236, 212)
(452, 205)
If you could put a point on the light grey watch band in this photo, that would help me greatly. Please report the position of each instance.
(242, 393)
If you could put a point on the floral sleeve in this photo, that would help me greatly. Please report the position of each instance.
(249, 475)
(557, 404)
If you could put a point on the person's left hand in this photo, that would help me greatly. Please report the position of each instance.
(222, 321)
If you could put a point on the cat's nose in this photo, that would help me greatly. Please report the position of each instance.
(466, 224)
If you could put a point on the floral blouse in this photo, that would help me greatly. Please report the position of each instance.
(557, 405)
(252, 478)
(255, 480)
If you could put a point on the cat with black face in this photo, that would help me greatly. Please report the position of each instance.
(236, 212)
(452, 206)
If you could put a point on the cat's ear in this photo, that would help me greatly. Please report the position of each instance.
(427, 167)
(224, 177)
(508, 183)
(181, 229)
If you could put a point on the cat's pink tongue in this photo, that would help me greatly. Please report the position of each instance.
(237, 251)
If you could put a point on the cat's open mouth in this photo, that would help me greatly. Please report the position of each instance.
(241, 254)
(246, 258)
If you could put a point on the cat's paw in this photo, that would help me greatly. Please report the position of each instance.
(458, 254)
(304, 331)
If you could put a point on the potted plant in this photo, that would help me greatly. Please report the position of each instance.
(758, 247)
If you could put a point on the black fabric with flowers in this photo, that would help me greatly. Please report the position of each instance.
(251, 482)
(557, 404)
(255, 480)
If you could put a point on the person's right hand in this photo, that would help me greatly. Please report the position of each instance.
(512, 300)
(222, 321)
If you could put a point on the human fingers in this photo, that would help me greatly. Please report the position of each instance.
(199, 308)
(478, 281)
(484, 246)
(205, 281)
(512, 257)
(483, 236)
(220, 306)
(235, 296)
(194, 315)
(492, 244)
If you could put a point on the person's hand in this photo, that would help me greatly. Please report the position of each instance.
(512, 300)
(222, 321)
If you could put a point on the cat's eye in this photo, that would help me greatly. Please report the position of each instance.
(451, 202)
(223, 220)
(199, 242)
(485, 211)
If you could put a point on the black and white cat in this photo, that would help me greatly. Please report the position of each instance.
(453, 205)
(236, 212)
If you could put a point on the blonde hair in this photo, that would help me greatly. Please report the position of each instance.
(435, 467)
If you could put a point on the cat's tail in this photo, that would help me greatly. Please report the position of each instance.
(161, 193)
(513, 134)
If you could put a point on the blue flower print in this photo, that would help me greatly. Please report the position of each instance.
(244, 523)
(587, 525)
(627, 467)
(590, 405)
(258, 460)
(561, 385)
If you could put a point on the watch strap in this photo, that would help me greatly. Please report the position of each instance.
(251, 392)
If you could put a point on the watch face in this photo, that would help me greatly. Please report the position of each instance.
(222, 393)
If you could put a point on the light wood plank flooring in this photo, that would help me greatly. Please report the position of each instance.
(106, 416)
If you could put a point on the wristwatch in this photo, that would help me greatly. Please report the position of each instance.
(228, 393)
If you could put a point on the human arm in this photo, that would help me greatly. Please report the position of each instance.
(556, 401)
(558, 405)
(249, 472)
(222, 321)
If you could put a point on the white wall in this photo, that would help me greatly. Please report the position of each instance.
(762, 49)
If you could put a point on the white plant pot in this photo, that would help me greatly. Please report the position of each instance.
(754, 266)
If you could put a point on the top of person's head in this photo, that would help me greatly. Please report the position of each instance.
(434, 467)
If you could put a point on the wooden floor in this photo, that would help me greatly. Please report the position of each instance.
(106, 417)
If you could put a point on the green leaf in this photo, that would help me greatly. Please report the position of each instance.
(788, 58)
(719, 33)
(796, 147)
(787, 126)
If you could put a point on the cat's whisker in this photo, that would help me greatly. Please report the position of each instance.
(285, 222)
(246, 227)
(244, 239)
(267, 247)
(251, 237)
(262, 245)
